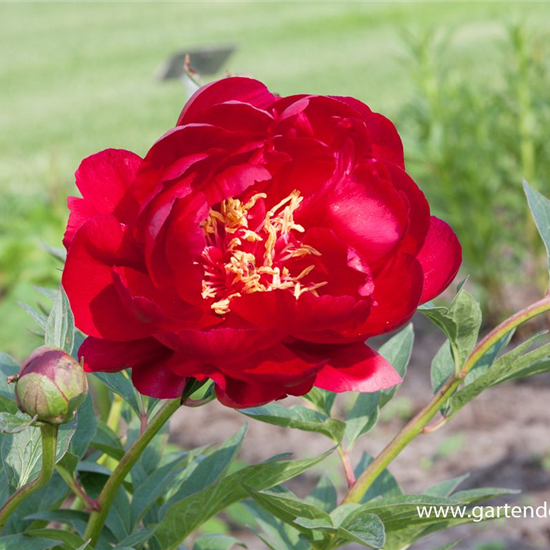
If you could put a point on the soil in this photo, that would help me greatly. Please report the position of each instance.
(501, 439)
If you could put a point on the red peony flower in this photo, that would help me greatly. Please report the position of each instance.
(258, 244)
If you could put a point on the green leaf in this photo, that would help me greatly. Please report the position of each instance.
(540, 209)
(447, 487)
(58, 253)
(512, 365)
(298, 417)
(488, 358)
(322, 400)
(119, 383)
(21, 453)
(475, 496)
(209, 469)
(350, 524)
(8, 367)
(7, 405)
(187, 515)
(157, 485)
(60, 331)
(397, 351)
(135, 540)
(362, 417)
(86, 427)
(15, 423)
(325, 495)
(278, 535)
(288, 508)
(442, 366)
(460, 322)
(11, 542)
(37, 316)
(216, 542)
(106, 441)
(385, 484)
(363, 528)
(118, 521)
(70, 540)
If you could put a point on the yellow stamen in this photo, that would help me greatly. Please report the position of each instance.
(248, 277)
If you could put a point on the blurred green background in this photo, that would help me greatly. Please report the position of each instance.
(466, 84)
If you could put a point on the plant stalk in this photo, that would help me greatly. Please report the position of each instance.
(105, 499)
(417, 425)
(48, 434)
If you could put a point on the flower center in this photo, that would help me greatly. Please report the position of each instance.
(247, 252)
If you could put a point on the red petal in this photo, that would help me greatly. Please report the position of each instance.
(440, 259)
(103, 179)
(246, 90)
(241, 395)
(101, 243)
(363, 210)
(158, 380)
(387, 144)
(107, 356)
(219, 345)
(397, 291)
(356, 368)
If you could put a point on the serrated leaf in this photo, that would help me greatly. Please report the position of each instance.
(397, 351)
(15, 423)
(540, 209)
(460, 322)
(187, 515)
(60, 330)
(299, 418)
(216, 542)
(21, 453)
(120, 384)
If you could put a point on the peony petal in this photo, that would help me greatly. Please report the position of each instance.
(158, 381)
(356, 367)
(241, 395)
(107, 356)
(100, 244)
(220, 346)
(387, 144)
(440, 259)
(103, 179)
(397, 291)
(245, 90)
(362, 209)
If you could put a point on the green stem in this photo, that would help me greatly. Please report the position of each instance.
(105, 499)
(415, 426)
(49, 450)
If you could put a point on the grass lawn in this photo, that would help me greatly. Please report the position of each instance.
(78, 78)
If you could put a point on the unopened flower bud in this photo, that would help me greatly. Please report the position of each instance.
(51, 385)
